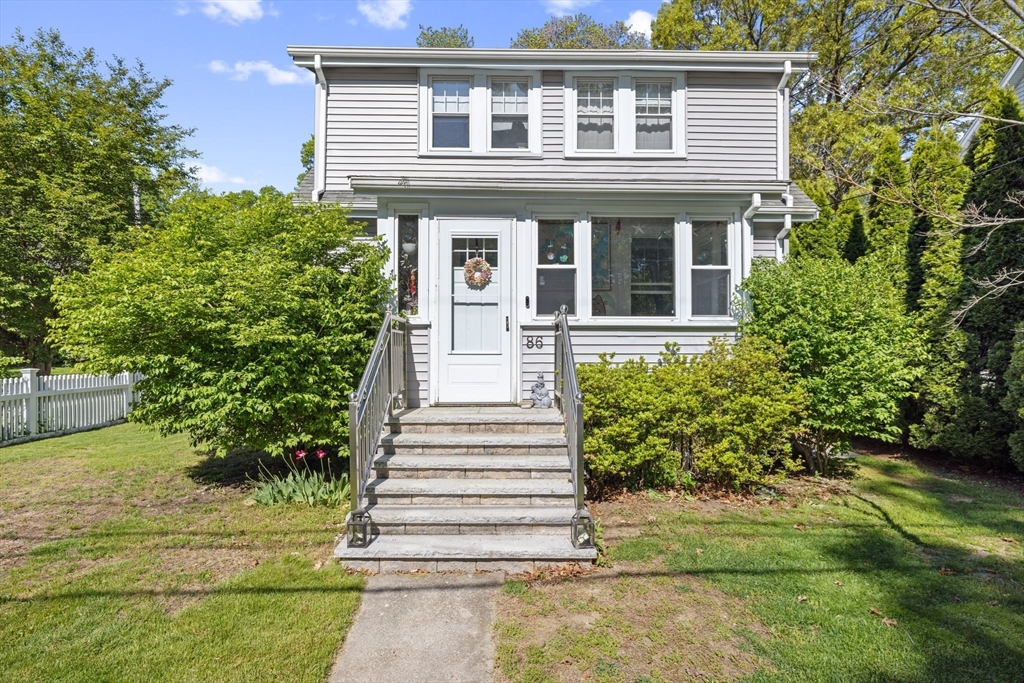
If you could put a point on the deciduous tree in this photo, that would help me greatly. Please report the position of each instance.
(84, 154)
(580, 32)
(444, 37)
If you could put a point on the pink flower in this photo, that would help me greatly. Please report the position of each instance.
(300, 454)
(320, 454)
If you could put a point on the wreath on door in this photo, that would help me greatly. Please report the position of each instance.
(478, 272)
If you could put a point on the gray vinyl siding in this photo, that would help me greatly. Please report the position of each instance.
(765, 235)
(417, 365)
(372, 129)
(626, 343)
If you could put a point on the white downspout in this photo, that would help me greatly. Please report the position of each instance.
(748, 232)
(320, 133)
(782, 132)
(780, 239)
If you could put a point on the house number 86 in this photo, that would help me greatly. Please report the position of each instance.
(535, 342)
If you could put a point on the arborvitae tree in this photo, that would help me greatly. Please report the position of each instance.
(889, 214)
(939, 179)
(996, 158)
(836, 234)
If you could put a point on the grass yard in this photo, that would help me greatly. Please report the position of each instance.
(127, 557)
(896, 574)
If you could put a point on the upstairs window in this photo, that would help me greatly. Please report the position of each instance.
(654, 116)
(595, 115)
(510, 114)
(450, 114)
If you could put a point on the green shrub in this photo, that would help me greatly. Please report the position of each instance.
(250, 318)
(733, 410)
(847, 342)
(725, 417)
(624, 440)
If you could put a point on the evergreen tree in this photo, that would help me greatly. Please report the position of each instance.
(939, 180)
(836, 234)
(996, 158)
(888, 214)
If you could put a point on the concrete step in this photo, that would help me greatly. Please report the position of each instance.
(474, 444)
(462, 553)
(430, 466)
(471, 420)
(389, 520)
(416, 491)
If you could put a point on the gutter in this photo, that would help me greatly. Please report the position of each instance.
(782, 131)
(320, 132)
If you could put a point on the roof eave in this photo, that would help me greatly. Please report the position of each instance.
(333, 56)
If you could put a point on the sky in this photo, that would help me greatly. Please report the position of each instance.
(233, 81)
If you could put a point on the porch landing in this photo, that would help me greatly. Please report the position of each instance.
(470, 488)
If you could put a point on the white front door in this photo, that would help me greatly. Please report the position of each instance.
(475, 330)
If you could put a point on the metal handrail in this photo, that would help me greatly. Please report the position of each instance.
(381, 391)
(570, 402)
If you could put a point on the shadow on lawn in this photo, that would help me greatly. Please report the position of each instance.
(241, 468)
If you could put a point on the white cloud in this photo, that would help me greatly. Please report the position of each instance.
(235, 11)
(560, 8)
(240, 71)
(212, 174)
(387, 14)
(640, 21)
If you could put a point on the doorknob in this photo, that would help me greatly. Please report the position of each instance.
(506, 323)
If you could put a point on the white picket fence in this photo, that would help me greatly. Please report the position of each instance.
(33, 407)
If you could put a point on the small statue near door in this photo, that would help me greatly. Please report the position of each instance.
(539, 394)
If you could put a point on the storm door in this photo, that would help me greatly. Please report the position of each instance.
(475, 296)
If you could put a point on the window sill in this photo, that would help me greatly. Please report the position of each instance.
(625, 155)
(467, 154)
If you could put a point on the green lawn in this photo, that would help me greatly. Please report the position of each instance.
(899, 575)
(127, 557)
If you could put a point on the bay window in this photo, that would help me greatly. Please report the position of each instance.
(450, 114)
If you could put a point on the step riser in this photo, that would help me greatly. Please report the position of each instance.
(507, 566)
(496, 429)
(402, 449)
(410, 473)
(484, 499)
(477, 529)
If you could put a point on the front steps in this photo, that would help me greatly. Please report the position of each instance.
(468, 488)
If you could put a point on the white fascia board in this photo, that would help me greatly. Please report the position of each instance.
(693, 60)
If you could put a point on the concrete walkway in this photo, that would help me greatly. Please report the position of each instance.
(422, 627)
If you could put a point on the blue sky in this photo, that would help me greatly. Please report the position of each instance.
(233, 81)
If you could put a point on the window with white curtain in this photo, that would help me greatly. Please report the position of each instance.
(710, 272)
(450, 114)
(510, 114)
(653, 116)
(595, 114)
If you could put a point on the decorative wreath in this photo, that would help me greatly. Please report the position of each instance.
(478, 272)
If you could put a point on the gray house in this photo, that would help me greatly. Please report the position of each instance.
(622, 194)
(1014, 78)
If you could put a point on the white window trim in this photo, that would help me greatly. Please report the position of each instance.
(624, 133)
(735, 265)
(479, 113)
